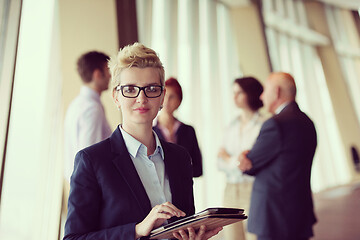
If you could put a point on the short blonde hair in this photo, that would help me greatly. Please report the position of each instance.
(135, 55)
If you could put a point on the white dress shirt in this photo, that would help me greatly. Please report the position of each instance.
(151, 169)
(237, 139)
(85, 124)
(281, 107)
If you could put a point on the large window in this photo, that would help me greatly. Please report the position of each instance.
(9, 25)
(292, 47)
(346, 40)
(195, 43)
(31, 191)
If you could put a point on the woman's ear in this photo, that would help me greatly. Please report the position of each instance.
(115, 96)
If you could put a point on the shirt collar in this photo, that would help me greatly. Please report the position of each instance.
(281, 107)
(254, 118)
(133, 146)
(89, 92)
(166, 132)
(158, 145)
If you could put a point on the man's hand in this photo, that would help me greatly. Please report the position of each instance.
(202, 234)
(156, 218)
(244, 163)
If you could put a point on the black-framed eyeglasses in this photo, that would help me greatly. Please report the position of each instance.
(132, 91)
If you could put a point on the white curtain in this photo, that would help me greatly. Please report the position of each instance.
(31, 194)
(194, 41)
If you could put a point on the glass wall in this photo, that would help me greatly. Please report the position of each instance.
(195, 43)
(346, 40)
(32, 187)
(9, 25)
(292, 47)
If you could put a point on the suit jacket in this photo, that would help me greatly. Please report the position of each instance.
(186, 137)
(281, 202)
(107, 198)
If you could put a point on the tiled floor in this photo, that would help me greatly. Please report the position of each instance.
(338, 213)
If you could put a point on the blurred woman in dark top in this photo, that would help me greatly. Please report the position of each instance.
(172, 130)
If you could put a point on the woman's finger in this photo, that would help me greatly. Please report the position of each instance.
(183, 235)
(169, 208)
(174, 208)
(212, 233)
(192, 233)
(176, 235)
(163, 215)
(201, 232)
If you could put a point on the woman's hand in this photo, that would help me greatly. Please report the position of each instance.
(202, 234)
(156, 218)
(224, 155)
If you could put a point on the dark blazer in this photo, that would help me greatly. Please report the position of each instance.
(186, 137)
(281, 201)
(107, 198)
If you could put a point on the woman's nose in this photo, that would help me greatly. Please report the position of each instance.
(142, 97)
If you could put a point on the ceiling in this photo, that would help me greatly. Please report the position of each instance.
(349, 4)
(235, 3)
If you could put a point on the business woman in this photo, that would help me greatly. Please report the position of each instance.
(132, 182)
(172, 130)
(240, 135)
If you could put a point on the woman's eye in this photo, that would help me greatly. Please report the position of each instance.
(151, 89)
(129, 89)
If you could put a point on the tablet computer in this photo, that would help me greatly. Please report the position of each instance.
(210, 217)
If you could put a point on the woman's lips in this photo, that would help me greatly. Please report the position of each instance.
(141, 110)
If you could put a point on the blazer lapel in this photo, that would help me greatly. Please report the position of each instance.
(172, 173)
(128, 171)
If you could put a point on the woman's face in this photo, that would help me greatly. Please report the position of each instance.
(240, 97)
(139, 110)
(172, 100)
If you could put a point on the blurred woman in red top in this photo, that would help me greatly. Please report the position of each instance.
(172, 130)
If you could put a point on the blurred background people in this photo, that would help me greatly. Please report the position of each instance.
(239, 136)
(132, 182)
(172, 130)
(204, 51)
(85, 120)
(281, 159)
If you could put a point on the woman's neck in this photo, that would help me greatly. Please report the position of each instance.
(166, 120)
(248, 114)
(143, 133)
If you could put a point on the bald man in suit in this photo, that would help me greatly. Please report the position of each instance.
(281, 159)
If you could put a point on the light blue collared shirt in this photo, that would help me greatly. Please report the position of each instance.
(151, 169)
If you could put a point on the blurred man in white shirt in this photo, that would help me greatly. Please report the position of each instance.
(85, 121)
